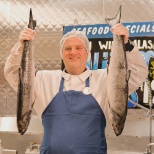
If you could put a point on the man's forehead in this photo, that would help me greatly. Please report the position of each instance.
(73, 41)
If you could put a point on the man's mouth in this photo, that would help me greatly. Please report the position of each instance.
(75, 58)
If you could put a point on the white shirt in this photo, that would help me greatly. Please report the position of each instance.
(47, 82)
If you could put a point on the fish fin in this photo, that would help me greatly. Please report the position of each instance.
(115, 20)
(107, 67)
(32, 23)
(128, 74)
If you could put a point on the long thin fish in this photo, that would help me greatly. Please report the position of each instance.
(26, 84)
(117, 80)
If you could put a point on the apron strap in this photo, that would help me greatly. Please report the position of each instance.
(87, 82)
(61, 84)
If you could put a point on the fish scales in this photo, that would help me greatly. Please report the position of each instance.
(25, 99)
(117, 81)
(25, 102)
(117, 86)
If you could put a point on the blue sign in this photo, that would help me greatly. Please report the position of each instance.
(142, 34)
(103, 30)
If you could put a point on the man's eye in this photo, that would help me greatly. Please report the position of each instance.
(78, 48)
(68, 49)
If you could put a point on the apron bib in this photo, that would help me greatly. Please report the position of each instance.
(73, 124)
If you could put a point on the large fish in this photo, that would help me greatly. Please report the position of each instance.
(26, 83)
(117, 79)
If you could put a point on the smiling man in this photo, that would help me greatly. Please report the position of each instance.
(73, 102)
(74, 52)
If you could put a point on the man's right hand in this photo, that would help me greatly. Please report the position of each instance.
(26, 34)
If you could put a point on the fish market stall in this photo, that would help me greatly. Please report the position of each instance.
(52, 19)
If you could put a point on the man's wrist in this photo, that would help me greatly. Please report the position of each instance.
(129, 46)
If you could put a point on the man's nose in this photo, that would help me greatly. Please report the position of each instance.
(73, 51)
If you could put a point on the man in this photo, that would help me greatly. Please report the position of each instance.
(73, 102)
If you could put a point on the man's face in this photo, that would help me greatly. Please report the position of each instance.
(74, 54)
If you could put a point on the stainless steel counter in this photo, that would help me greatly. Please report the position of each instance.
(8, 124)
(7, 151)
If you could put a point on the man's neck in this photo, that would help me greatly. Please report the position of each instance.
(75, 71)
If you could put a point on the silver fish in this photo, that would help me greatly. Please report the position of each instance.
(25, 84)
(117, 80)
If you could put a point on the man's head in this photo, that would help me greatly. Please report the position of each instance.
(74, 50)
(77, 34)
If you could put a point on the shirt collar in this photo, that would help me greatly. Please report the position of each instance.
(83, 76)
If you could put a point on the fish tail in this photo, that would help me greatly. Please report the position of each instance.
(115, 20)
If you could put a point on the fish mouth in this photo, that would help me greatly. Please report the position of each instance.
(23, 122)
(22, 127)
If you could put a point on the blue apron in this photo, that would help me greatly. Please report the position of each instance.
(73, 124)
